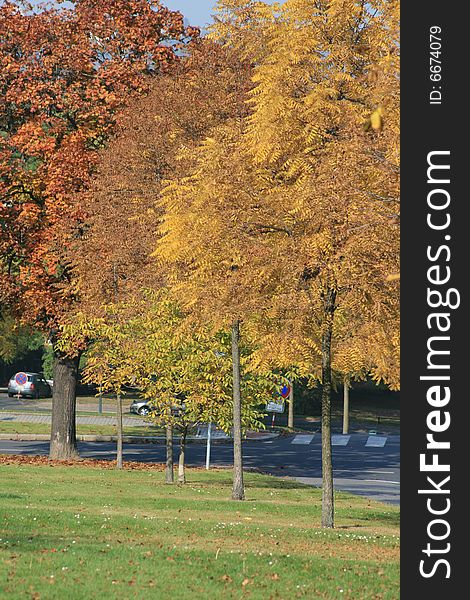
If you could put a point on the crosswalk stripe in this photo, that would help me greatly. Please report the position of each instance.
(373, 441)
(376, 441)
(340, 440)
(302, 439)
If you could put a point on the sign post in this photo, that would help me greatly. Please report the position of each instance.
(278, 404)
(208, 447)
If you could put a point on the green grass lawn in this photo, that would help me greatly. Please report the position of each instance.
(33, 428)
(85, 532)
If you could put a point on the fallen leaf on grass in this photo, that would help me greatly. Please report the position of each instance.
(12, 459)
(226, 578)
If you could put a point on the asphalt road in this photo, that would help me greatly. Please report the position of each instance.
(365, 470)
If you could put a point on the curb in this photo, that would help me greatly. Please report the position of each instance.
(127, 439)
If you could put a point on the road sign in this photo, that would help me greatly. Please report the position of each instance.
(285, 391)
(215, 434)
(275, 406)
(21, 378)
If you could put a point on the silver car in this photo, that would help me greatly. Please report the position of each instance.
(140, 407)
(143, 408)
(34, 386)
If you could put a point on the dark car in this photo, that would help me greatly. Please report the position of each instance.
(34, 386)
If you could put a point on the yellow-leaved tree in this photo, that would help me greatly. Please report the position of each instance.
(183, 369)
(291, 214)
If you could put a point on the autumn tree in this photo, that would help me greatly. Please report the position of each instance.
(179, 111)
(110, 358)
(203, 270)
(293, 212)
(66, 74)
(110, 341)
(183, 369)
(318, 140)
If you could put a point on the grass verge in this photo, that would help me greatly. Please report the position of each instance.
(39, 428)
(93, 532)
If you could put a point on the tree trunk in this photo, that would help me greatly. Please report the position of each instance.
(119, 431)
(181, 460)
(346, 406)
(327, 462)
(290, 421)
(238, 492)
(63, 444)
(169, 473)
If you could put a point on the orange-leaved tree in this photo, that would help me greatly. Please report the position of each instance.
(65, 73)
(178, 111)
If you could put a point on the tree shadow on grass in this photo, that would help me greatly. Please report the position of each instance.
(387, 519)
(260, 482)
(278, 483)
(9, 496)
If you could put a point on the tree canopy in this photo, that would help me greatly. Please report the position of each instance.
(291, 213)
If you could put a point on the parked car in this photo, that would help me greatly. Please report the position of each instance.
(140, 407)
(143, 408)
(35, 386)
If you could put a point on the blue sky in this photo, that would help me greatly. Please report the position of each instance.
(198, 12)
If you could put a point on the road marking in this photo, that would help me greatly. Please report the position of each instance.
(379, 481)
(340, 440)
(376, 441)
(355, 471)
(302, 439)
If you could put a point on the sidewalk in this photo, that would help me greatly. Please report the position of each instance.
(81, 420)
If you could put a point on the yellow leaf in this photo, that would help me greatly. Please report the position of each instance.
(376, 119)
